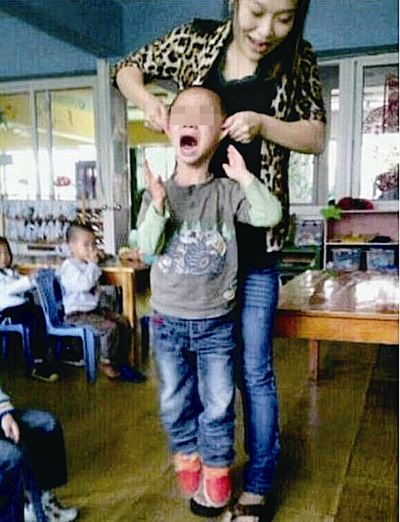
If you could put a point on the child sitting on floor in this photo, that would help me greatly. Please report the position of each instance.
(32, 463)
(79, 277)
(16, 307)
(190, 222)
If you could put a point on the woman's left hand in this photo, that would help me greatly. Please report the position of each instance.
(242, 126)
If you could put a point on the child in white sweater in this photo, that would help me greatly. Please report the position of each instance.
(79, 277)
(16, 307)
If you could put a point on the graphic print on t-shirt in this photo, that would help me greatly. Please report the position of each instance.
(194, 252)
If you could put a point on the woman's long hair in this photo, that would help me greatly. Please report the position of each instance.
(285, 58)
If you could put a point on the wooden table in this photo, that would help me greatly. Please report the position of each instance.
(343, 306)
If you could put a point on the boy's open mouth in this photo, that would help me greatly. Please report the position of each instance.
(188, 143)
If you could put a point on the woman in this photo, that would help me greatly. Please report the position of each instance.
(267, 77)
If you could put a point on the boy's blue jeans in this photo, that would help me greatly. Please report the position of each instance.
(196, 369)
(260, 290)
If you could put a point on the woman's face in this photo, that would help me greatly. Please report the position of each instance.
(259, 26)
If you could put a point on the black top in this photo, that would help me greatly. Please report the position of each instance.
(253, 93)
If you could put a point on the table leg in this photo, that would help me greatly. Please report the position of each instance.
(127, 282)
(313, 362)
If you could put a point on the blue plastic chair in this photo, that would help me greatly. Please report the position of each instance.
(50, 297)
(7, 327)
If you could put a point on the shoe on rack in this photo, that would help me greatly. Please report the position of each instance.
(188, 473)
(43, 372)
(55, 511)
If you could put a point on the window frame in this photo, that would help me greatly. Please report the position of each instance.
(31, 87)
(349, 140)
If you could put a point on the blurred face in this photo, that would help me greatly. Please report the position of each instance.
(83, 246)
(259, 26)
(5, 258)
(195, 126)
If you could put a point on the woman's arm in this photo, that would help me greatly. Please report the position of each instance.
(161, 59)
(130, 81)
(304, 129)
(307, 136)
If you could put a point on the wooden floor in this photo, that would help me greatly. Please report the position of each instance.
(339, 458)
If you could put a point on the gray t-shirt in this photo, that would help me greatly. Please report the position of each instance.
(195, 273)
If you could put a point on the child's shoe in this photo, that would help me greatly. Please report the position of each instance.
(108, 370)
(29, 512)
(43, 372)
(213, 496)
(250, 507)
(55, 511)
(188, 473)
(217, 485)
(129, 374)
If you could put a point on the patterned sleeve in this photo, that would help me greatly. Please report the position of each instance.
(161, 59)
(308, 104)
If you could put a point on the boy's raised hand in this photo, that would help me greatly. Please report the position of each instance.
(236, 167)
(156, 188)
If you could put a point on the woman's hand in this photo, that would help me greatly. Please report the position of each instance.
(10, 427)
(156, 114)
(236, 167)
(242, 126)
(130, 81)
(156, 188)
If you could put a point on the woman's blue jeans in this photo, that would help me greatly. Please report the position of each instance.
(260, 290)
(196, 369)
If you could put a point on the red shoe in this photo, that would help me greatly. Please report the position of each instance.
(217, 486)
(188, 473)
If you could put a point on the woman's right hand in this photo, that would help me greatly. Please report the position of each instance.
(156, 114)
(130, 81)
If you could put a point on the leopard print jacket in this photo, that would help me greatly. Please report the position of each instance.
(186, 54)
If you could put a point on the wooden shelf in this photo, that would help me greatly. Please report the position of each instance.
(344, 244)
(363, 223)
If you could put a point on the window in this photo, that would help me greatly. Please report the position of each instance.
(362, 146)
(379, 137)
(45, 131)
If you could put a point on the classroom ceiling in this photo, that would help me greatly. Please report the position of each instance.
(94, 26)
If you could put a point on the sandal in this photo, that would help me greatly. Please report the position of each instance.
(201, 507)
(237, 511)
